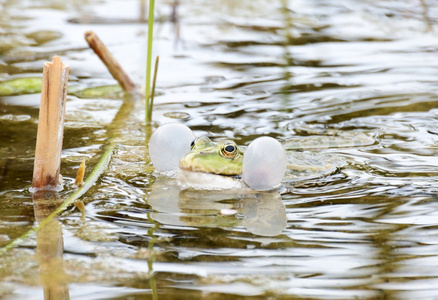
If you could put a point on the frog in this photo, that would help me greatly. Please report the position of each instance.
(223, 158)
(212, 166)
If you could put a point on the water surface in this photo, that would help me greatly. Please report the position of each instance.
(301, 71)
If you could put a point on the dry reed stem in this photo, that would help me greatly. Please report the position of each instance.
(51, 125)
(111, 63)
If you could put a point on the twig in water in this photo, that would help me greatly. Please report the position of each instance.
(111, 63)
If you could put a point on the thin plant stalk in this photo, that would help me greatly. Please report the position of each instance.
(148, 105)
(153, 87)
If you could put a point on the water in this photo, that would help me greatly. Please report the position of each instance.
(291, 70)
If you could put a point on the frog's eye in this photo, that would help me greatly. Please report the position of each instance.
(192, 144)
(229, 149)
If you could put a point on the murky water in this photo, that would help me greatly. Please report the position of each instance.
(300, 71)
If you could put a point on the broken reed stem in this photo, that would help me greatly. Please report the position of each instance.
(157, 60)
(148, 115)
(111, 63)
(50, 125)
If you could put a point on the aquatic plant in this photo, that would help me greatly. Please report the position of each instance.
(148, 95)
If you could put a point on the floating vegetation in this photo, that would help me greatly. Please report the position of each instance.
(105, 91)
(32, 85)
(21, 86)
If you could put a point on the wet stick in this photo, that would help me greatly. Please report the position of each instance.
(50, 125)
(111, 63)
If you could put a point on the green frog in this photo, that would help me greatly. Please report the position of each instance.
(212, 166)
(223, 158)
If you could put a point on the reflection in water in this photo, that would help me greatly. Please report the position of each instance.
(50, 247)
(265, 214)
(426, 17)
(152, 240)
(287, 54)
(260, 213)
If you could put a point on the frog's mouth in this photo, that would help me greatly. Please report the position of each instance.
(207, 181)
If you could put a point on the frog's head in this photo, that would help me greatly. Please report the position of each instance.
(223, 158)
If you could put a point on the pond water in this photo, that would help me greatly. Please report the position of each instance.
(305, 72)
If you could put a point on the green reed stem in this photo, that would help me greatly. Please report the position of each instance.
(148, 105)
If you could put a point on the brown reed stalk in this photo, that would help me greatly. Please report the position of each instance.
(51, 125)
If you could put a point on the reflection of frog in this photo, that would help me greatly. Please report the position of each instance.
(223, 158)
(262, 213)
